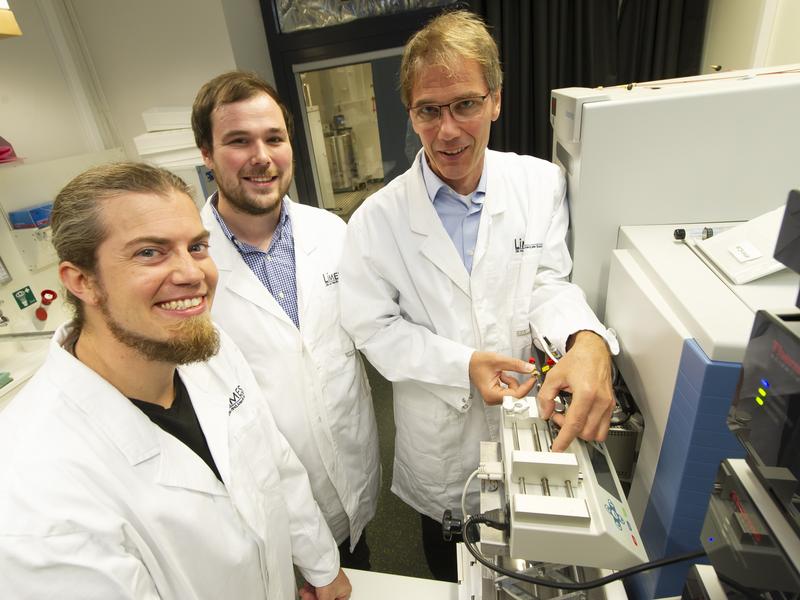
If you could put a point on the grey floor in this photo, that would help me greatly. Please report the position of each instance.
(394, 534)
(348, 202)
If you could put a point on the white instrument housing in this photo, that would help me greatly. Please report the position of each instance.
(566, 508)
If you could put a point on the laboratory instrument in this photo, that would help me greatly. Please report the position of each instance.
(559, 515)
(709, 149)
(751, 530)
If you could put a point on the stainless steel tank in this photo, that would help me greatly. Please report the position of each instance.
(342, 160)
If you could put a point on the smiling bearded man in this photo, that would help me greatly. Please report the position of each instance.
(142, 459)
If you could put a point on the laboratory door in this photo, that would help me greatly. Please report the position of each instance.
(355, 126)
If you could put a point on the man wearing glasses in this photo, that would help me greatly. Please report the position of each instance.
(450, 271)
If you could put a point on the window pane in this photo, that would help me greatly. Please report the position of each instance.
(357, 130)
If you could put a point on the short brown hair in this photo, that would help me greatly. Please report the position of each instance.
(227, 88)
(442, 42)
(76, 222)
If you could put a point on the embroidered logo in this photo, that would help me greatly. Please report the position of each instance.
(236, 399)
(521, 246)
(330, 278)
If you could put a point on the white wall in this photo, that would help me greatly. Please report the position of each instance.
(745, 34)
(248, 41)
(154, 53)
(38, 114)
(144, 53)
(784, 47)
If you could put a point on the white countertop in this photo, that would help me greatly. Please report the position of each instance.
(369, 585)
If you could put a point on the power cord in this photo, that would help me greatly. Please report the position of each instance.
(471, 538)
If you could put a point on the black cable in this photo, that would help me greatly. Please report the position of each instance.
(585, 585)
(624, 400)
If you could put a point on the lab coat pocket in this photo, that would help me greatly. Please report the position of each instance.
(347, 403)
(346, 400)
(256, 479)
(428, 435)
(506, 270)
(340, 366)
(339, 348)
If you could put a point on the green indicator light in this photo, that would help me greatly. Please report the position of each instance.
(759, 401)
(762, 391)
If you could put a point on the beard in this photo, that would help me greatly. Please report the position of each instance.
(193, 340)
(239, 199)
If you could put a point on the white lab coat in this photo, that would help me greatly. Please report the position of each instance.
(316, 365)
(417, 314)
(98, 502)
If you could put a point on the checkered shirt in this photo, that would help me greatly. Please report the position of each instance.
(274, 268)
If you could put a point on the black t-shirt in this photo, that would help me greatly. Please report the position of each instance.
(181, 421)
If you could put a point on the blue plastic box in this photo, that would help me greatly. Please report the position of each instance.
(29, 218)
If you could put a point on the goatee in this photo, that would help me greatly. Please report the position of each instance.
(193, 340)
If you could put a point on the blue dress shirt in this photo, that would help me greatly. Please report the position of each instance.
(460, 215)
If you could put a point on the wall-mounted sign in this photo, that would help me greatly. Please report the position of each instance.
(25, 297)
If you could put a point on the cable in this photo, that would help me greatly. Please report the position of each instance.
(586, 585)
(547, 347)
(464, 494)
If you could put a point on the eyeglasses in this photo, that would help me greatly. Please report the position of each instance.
(461, 110)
